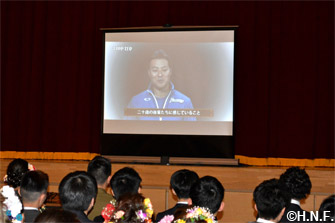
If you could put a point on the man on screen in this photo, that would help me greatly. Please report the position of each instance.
(161, 93)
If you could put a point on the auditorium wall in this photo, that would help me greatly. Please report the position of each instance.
(51, 71)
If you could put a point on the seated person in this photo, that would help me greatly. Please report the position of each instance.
(161, 93)
(208, 192)
(100, 168)
(15, 171)
(77, 192)
(270, 201)
(132, 208)
(125, 181)
(296, 183)
(56, 216)
(180, 183)
(33, 190)
(327, 209)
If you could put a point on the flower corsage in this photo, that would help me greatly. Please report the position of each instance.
(12, 203)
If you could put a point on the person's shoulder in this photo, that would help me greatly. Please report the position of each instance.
(179, 95)
(30, 215)
(164, 213)
(294, 207)
(103, 196)
(141, 95)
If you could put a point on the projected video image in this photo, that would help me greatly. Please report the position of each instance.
(167, 81)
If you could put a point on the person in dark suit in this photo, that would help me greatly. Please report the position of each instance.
(296, 183)
(33, 190)
(181, 182)
(270, 201)
(77, 193)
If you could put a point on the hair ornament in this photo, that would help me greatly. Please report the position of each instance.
(31, 167)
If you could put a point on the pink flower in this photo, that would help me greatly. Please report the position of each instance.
(141, 215)
(119, 214)
(167, 219)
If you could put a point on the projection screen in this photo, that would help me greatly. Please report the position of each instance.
(169, 81)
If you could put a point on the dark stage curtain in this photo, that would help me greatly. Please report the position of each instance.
(51, 71)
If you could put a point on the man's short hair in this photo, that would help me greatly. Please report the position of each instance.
(269, 199)
(76, 191)
(207, 192)
(296, 183)
(160, 54)
(181, 182)
(100, 168)
(33, 184)
(125, 181)
(327, 208)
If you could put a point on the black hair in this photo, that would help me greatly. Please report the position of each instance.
(269, 199)
(160, 54)
(55, 216)
(328, 205)
(33, 184)
(125, 180)
(181, 182)
(100, 168)
(15, 170)
(76, 191)
(130, 204)
(296, 183)
(207, 192)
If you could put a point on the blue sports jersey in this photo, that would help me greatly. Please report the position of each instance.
(174, 100)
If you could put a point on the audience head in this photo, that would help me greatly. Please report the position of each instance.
(296, 183)
(124, 181)
(132, 208)
(270, 200)
(56, 216)
(181, 182)
(327, 208)
(208, 192)
(15, 170)
(100, 168)
(33, 188)
(77, 191)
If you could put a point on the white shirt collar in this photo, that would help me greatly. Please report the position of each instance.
(294, 201)
(30, 208)
(182, 202)
(264, 220)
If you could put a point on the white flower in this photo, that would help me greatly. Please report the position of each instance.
(12, 202)
(14, 205)
(7, 191)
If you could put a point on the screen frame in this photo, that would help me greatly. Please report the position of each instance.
(216, 146)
